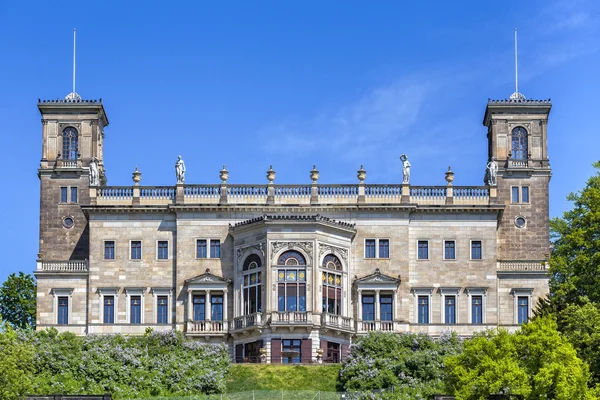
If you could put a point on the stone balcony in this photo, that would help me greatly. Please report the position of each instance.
(337, 322)
(207, 328)
(67, 267)
(312, 194)
(248, 322)
(523, 265)
(292, 319)
(379, 326)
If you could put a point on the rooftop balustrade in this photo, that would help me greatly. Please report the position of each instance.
(68, 266)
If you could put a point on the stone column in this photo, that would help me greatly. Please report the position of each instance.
(179, 195)
(207, 307)
(93, 194)
(190, 309)
(225, 305)
(377, 306)
(394, 299)
(136, 196)
(405, 193)
(359, 305)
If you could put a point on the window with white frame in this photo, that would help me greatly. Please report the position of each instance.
(422, 250)
(161, 298)
(422, 305)
(449, 250)
(522, 304)
(477, 305)
(162, 250)
(476, 250)
(331, 278)
(449, 304)
(109, 250)
(62, 305)
(291, 282)
(109, 300)
(135, 305)
(135, 250)
(208, 248)
(377, 248)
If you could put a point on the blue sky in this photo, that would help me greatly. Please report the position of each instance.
(292, 84)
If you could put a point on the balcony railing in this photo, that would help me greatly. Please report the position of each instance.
(248, 321)
(63, 266)
(513, 163)
(291, 194)
(292, 318)
(383, 326)
(208, 326)
(522, 265)
(337, 321)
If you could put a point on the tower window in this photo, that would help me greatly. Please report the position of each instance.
(519, 144)
(70, 144)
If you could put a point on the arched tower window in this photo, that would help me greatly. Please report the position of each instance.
(519, 144)
(291, 282)
(252, 285)
(70, 148)
(331, 278)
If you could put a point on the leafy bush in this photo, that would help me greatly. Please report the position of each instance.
(412, 363)
(156, 364)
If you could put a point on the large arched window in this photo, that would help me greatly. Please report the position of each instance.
(70, 144)
(519, 144)
(331, 277)
(291, 282)
(252, 284)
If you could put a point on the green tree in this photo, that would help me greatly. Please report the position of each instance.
(16, 365)
(536, 362)
(575, 261)
(17, 300)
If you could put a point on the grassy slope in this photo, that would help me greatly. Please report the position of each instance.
(245, 377)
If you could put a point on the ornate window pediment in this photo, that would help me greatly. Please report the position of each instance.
(207, 279)
(377, 279)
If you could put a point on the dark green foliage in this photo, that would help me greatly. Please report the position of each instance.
(156, 364)
(17, 301)
(412, 363)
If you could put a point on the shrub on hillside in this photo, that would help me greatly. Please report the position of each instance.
(412, 363)
(156, 364)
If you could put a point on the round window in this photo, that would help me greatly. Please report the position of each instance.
(520, 222)
(68, 222)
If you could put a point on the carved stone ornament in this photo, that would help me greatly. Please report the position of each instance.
(339, 251)
(276, 246)
(243, 251)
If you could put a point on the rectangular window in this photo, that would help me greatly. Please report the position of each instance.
(423, 250)
(163, 250)
(135, 310)
(525, 194)
(477, 309)
(368, 308)
(370, 248)
(63, 194)
(201, 248)
(136, 249)
(199, 310)
(423, 307)
(63, 310)
(215, 249)
(162, 310)
(450, 250)
(523, 309)
(386, 308)
(109, 250)
(514, 194)
(476, 250)
(281, 297)
(73, 195)
(384, 248)
(450, 309)
(216, 304)
(109, 309)
(291, 351)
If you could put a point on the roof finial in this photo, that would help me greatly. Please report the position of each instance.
(516, 95)
(73, 96)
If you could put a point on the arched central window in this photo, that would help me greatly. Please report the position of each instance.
(252, 285)
(331, 278)
(519, 144)
(291, 282)
(70, 144)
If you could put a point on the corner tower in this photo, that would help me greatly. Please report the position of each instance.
(518, 140)
(72, 135)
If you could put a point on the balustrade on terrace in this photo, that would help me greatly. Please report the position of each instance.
(292, 194)
(207, 327)
(62, 266)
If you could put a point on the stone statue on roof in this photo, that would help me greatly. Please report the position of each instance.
(405, 168)
(491, 172)
(180, 170)
(94, 172)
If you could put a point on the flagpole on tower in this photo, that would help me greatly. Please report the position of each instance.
(73, 96)
(516, 95)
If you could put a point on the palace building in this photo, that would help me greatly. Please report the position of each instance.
(290, 273)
